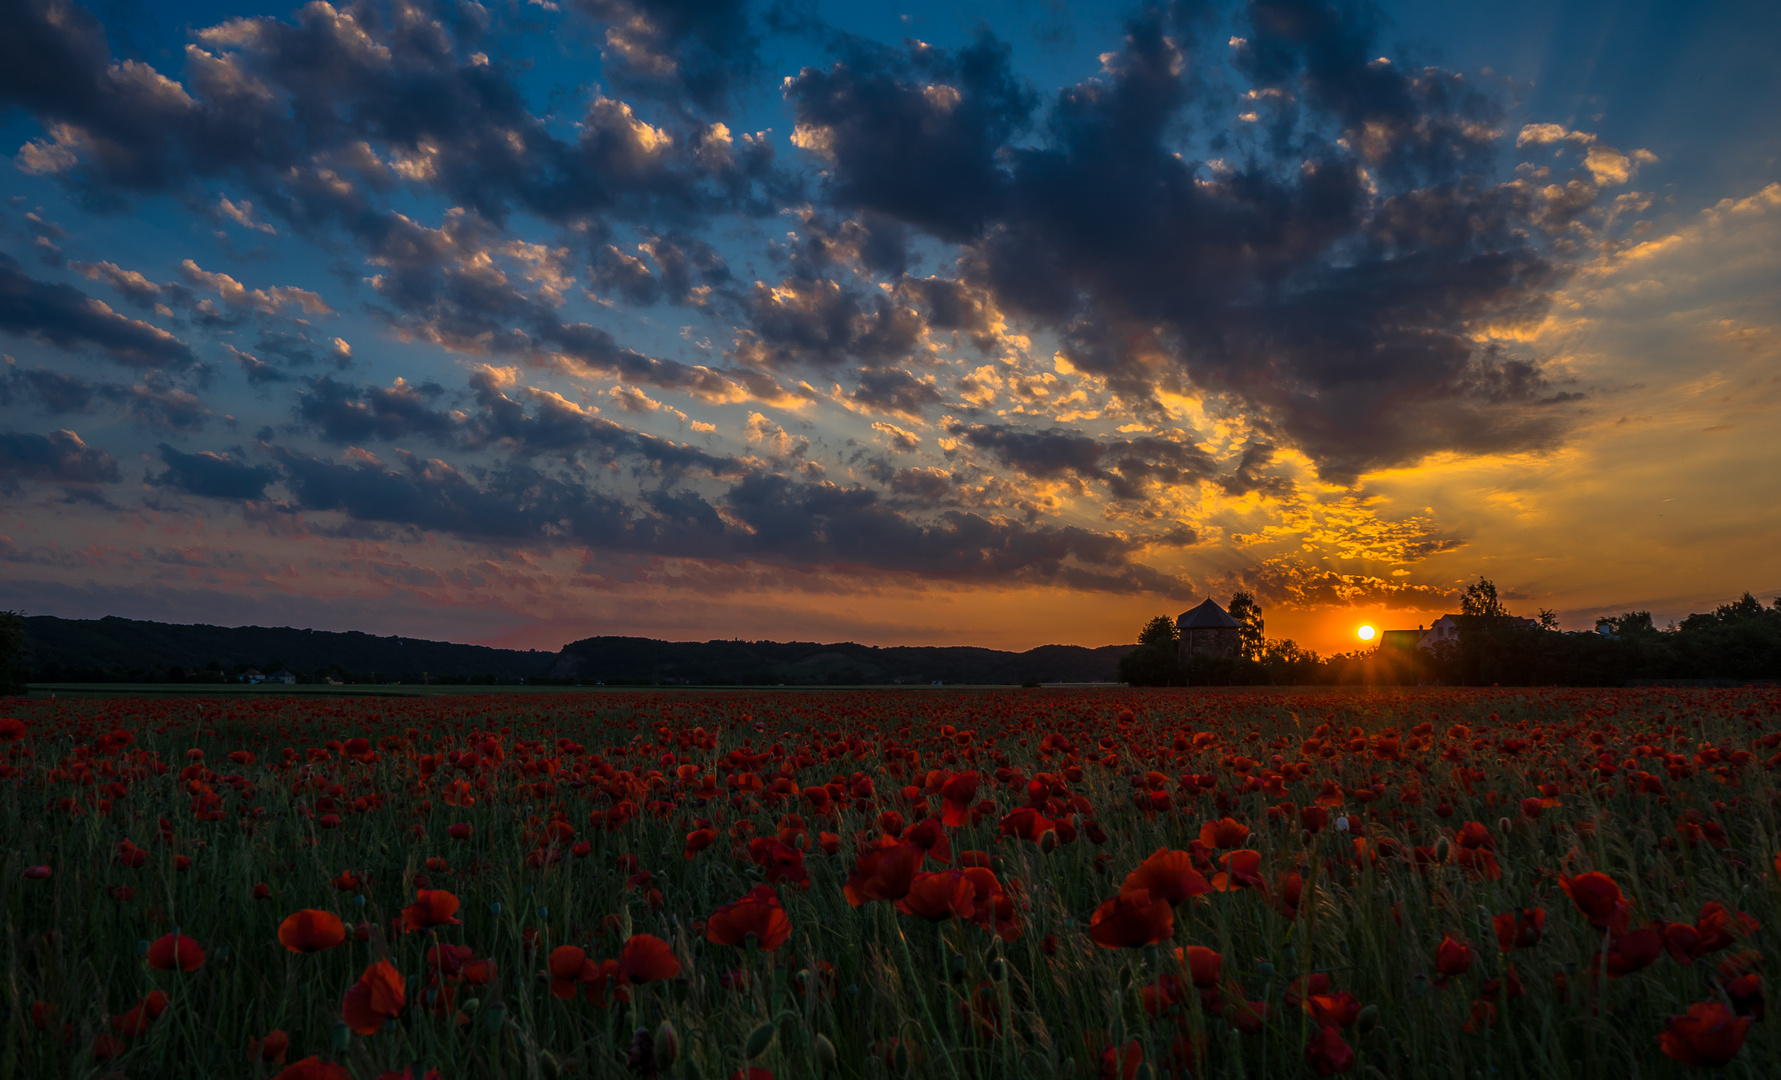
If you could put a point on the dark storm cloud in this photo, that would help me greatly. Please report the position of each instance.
(893, 390)
(679, 49)
(63, 316)
(321, 115)
(440, 287)
(156, 402)
(1128, 467)
(57, 458)
(781, 521)
(345, 413)
(491, 418)
(1330, 271)
(212, 475)
(683, 264)
(821, 322)
(915, 134)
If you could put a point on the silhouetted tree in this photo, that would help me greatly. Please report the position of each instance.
(1154, 662)
(1250, 641)
(12, 652)
(1161, 632)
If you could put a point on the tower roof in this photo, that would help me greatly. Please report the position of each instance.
(1208, 616)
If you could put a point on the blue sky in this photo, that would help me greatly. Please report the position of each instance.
(996, 323)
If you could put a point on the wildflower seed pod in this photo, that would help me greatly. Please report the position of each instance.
(758, 1041)
(667, 1045)
(825, 1053)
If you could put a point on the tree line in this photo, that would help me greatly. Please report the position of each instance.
(1736, 641)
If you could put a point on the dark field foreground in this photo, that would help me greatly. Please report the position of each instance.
(1415, 883)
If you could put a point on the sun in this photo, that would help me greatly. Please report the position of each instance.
(1366, 633)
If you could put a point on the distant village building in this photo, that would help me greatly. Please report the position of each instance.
(252, 675)
(1208, 630)
(1442, 630)
(282, 676)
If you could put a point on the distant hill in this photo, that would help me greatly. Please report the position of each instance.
(130, 650)
(616, 660)
(113, 649)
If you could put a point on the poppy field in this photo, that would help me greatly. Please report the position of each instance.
(944, 884)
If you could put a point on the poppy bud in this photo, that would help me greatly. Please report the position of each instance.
(495, 1017)
(900, 1059)
(1503, 824)
(1369, 1019)
(758, 1041)
(1442, 850)
(667, 1045)
(825, 1053)
(342, 1036)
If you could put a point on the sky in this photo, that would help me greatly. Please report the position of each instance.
(1004, 323)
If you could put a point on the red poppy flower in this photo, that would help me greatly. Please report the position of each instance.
(1327, 1053)
(698, 840)
(1631, 952)
(947, 894)
(1131, 920)
(309, 931)
(993, 908)
(1242, 870)
(460, 831)
(1026, 823)
(36, 873)
(1121, 1062)
(568, 965)
(431, 907)
(781, 861)
(758, 914)
(1598, 898)
(1224, 833)
(883, 872)
(1709, 1035)
(1474, 836)
(1203, 965)
(312, 1068)
(956, 795)
(1452, 958)
(1339, 1010)
(1519, 929)
(270, 1049)
(1169, 875)
(175, 952)
(376, 997)
(136, 1020)
(646, 959)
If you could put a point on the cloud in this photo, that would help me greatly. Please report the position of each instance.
(68, 318)
(1128, 467)
(322, 117)
(57, 458)
(212, 475)
(900, 439)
